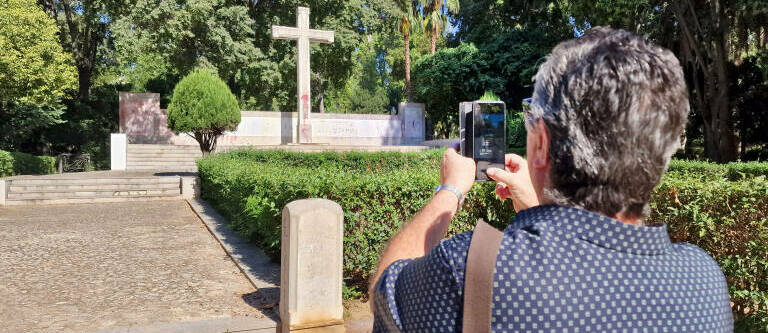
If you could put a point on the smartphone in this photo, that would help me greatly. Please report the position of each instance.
(483, 135)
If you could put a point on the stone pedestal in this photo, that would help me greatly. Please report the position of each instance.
(118, 146)
(311, 266)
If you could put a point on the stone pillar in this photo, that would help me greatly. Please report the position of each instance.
(118, 145)
(4, 184)
(412, 116)
(311, 266)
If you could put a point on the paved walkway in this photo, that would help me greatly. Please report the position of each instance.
(89, 267)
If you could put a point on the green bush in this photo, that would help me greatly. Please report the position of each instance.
(203, 104)
(729, 220)
(15, 163)
(378, 192)
(732, 171)
(721, 208)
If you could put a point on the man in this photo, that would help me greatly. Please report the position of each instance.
(606, 116)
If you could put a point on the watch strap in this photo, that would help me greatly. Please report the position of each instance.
(455, 190)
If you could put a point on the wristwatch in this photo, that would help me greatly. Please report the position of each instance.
(452, 189)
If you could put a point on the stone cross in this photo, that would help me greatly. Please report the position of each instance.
(304, 35)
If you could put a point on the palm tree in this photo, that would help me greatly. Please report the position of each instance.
(435, 19)
(409, 21)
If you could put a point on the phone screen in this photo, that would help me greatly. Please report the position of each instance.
(489, 138)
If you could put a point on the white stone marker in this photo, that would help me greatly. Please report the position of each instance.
(118, 145)
(304, 35)
(311, 266)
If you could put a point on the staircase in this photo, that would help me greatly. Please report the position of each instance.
(162, 157)
(57, 190)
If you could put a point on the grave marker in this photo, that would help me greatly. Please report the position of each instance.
(311, 266)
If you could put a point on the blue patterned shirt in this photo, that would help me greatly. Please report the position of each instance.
(565, 270)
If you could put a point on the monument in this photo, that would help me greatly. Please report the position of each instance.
(303, 35)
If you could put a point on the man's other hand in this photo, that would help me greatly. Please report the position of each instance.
(457, 170)
(515, 182)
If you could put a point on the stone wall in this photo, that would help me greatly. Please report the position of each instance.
(142, 120)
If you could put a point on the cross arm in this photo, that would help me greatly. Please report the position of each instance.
(320, 36)
(279, 32)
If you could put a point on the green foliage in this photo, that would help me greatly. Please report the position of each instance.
(489, 96)
(728, 220)
(503, 65)
(449, 77)
(203, 103)
(364, 91)
(731, 171)
(157, 39)
(34, 68)
(35, 72)
(516, 133)
(15, 163)
(378, 192)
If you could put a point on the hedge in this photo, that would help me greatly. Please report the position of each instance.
(703, 204)
(15, 163)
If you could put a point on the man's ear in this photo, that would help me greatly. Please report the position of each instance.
(540, 156)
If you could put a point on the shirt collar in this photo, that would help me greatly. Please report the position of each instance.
(596, 228)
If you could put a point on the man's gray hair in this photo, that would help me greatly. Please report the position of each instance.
(615, 106)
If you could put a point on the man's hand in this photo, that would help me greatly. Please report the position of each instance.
(515, 182)
(457, 170)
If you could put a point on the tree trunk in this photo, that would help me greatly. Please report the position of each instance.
(84, 75)
(321, 105)
(407, 54)
(704, 39)
(206, 141)
(433, 42)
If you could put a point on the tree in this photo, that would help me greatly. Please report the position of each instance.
(35, 71)
(436, 20)
(203, 105)
(166, 39)
(504, 65)
(410, 21)
(85, 34)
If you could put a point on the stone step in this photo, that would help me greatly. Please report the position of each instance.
(90, 200)
(167, 167)
(163, 156)
(161, 164)
(93, 187)
(89, 181)
(90, 194)
(137, 147)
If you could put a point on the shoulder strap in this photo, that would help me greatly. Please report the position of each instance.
(478, 278)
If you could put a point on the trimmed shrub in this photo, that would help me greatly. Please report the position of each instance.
(729, 220)
(203, 104)
(15, 163)
(251, 188)
(703, 204)
(732, 171)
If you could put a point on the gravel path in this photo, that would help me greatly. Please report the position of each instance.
(86, 267)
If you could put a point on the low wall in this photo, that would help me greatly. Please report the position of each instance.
(142, 120)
